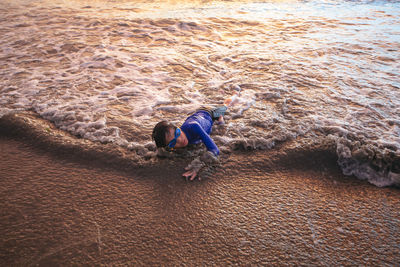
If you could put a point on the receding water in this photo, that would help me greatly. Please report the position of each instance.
(108, 71)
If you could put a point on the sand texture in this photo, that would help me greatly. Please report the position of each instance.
(58, 211)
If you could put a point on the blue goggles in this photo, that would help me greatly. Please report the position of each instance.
(172, 143)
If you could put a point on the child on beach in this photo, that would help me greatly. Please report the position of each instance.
(196, 128)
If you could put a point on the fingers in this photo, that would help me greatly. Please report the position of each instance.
(187, 174)
(190, 175)
(193, 176)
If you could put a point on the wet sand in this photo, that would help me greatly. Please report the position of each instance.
(58, 211)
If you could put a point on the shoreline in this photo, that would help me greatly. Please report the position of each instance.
(29, 128)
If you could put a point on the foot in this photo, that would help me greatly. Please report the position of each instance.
(227, 102)
(220, 120)
(231, 101)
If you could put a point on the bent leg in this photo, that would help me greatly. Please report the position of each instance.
(218, 112)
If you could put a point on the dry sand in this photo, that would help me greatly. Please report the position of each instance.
(59, 211)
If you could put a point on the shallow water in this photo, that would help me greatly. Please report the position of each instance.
(109, 71)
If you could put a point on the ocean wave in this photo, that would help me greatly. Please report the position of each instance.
(362, 161)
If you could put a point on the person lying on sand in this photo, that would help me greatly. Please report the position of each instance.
(196, 128)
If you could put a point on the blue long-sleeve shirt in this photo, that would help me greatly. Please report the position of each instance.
(197, 128)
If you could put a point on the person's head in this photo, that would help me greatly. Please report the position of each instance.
(168, 135)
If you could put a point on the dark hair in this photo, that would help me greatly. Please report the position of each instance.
(159, 132)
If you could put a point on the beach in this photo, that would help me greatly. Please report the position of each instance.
(60, 210)
(309, 165)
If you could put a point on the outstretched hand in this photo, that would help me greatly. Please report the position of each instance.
(193, 169)
(208, 160)
(191, 173)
